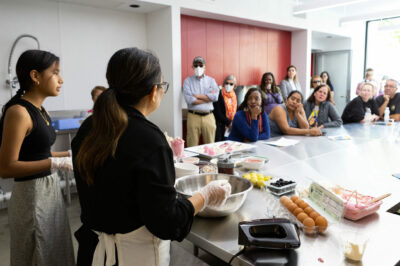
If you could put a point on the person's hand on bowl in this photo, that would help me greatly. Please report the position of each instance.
(215, 193)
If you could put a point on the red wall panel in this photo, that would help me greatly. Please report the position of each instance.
(229, 48)
(215, 50)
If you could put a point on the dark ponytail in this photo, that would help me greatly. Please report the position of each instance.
(131, 75)
(29, 60)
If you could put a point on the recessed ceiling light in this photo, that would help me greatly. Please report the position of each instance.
(329, 37)
(134, 6)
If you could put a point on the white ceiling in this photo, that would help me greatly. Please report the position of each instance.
(355, 10)
(145, 7)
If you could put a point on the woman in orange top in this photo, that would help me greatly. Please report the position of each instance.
(225, 108)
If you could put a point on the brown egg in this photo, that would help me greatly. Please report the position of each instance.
(322, 223)
(287, 203)
(292, 207)
(299, 201)
(309, 225)
(303, 205)
(314, 215)
(294, 198)
(283, 199)
(301, 216)
(308, 210)
(297, 211)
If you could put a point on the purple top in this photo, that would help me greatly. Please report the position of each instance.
(271, 101)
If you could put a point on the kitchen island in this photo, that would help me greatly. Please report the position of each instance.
(365, 163)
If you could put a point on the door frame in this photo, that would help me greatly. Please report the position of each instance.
(349, 62)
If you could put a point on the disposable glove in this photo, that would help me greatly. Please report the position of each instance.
(61, 163)
(215, 193)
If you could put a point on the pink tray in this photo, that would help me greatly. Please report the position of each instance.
(356, 205)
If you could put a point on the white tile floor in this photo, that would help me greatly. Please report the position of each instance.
(181, 253)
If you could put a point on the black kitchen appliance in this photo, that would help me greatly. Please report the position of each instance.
(277, 233)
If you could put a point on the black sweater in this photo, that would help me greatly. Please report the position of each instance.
(137, 187)
(355, 110)
(220, 111)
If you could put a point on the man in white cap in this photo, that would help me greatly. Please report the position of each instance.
(200, 91)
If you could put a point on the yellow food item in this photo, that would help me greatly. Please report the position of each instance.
(252, 174)
(260, 183)
(246, 176)
(322, 223)
(267, 178)
(309, 225)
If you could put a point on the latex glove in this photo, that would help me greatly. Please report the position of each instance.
(61, 163)
(215, 193)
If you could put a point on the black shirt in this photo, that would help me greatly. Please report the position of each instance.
(137, 187)
(394, 103)
(37, 144)
(220, 111)
(355, 110)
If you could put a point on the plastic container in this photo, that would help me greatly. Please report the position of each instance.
(226, 166)
(192, 160)
(353, 245)
(253, 163)
(207, 167)
(387, 115)
(278, 191)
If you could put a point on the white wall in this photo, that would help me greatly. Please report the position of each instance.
(160, 39)
(84, 38)
(301, 57)
(325, 44)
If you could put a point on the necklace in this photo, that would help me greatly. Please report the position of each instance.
(43, 116)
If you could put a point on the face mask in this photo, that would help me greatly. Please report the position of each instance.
(268, 86)
(228, 88)
(199, 71)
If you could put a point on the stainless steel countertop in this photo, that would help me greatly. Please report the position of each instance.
(365, 163)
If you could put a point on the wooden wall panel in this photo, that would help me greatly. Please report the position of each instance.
(230, 48)
(247, 54)
(215, 50)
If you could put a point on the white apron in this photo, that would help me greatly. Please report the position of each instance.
(139, 247)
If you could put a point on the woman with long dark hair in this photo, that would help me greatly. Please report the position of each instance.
(251, 122)
(270, 92)
(319, 109)
(39, 229)
(290, 118)
(125, 172)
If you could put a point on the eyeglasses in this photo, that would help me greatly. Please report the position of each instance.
(316, 81)
(197, 65)
(390, 86)
(164, 85)
(227, 83)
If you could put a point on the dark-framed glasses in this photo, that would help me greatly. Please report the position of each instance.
(317, 81)
(164, 85)
(227, 83)
(197, 65)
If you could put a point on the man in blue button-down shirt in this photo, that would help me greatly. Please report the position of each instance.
(200, 92)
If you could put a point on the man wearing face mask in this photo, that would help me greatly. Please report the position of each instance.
(200, 91)
(225, 108)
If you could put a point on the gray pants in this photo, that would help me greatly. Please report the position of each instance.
(39, 228)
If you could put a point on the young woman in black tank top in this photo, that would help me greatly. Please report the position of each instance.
(39, 228)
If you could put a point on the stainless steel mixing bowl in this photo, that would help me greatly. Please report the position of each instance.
(189, 185)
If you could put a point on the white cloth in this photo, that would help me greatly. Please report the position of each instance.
(293, 85)
(139, 247)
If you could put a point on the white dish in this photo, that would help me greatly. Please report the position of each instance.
(253, 163)
(192, 160)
